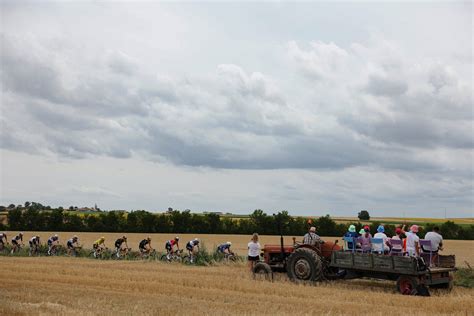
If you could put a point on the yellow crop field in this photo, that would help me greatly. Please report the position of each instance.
(80, 286)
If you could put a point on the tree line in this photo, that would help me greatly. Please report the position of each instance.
(37, 218)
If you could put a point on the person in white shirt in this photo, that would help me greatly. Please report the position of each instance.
(413, 241)
(254, 251)
(381, 235)
(436, 240)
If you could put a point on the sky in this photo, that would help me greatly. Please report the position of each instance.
(312, 107)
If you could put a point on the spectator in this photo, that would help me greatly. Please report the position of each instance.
(311, 238)
(351, 232)
(254, 251)
(413, 241)
(398, 236)
(380, 235)
(436, 240)
(364, 239)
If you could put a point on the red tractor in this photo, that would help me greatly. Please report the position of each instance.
(299, 261)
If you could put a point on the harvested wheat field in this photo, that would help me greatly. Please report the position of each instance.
(463, 249)
(59, 285)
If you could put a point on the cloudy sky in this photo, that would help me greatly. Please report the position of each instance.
(312, 107)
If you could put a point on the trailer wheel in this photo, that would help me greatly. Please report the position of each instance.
(408, 285)
(304, 264)
(262, 271)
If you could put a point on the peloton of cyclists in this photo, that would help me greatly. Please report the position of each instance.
(17, 242)
(118, 245)
(99, 246)
(145, 246)
(72, 245)
(191, 246)
(53, 242)
(34, 245)
(170, 245)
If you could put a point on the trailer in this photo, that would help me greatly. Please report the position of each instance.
(413, 275)
(327, 261)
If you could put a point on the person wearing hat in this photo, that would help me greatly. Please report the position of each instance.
(380, 248)
(413, 241)
(311, 238)
(364, 239)
(399, 231)
(351, 232)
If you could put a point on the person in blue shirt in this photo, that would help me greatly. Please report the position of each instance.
(351, 232)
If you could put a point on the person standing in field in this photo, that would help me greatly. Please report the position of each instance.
(311, 238)
(254, 251)
(413, 241)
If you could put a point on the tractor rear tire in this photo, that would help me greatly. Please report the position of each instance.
(262, 271)
(305, 265)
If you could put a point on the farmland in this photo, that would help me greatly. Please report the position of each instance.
(32, 286)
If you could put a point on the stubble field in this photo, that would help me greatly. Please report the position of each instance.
(61, 285)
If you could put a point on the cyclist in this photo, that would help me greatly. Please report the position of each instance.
(118, 245)
(225, 248)
(17, 242)
(72, 244)
(190, 246)
(98, 246)
(34, 245)
(3, 240)
(53, 242)
(145, 246)
(169, 246)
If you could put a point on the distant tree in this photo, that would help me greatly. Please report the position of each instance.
(11, 206)
(364, 215)
(71, 208)
(27, 204)
(15, 219)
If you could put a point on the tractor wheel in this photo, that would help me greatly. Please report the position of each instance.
(304, 264)
(262, 271)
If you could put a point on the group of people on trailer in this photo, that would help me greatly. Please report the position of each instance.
(402, 243)
(121, 245)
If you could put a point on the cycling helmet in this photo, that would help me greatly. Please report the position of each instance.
(148, 238)
(176, 238)
(102, 238)
(124, 237)
(37, 236)
(21, 234)
(55, 235)
(229, 243)
(74, 237)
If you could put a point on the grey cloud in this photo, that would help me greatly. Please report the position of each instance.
(378, 85)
